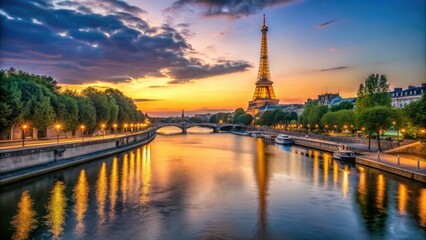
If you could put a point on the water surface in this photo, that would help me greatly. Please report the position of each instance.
(214, 186)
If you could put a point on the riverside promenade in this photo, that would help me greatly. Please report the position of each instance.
(21, 163)
(411, 168)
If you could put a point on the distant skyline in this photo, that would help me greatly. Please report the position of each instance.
(202, 56)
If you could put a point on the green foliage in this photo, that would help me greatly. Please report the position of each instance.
(36, 99)
(374, 92)
(338, 119)
(376, 120)
(415, 112)
(195, 120)
(313, 113)
(218, 117)
(238, 112)
(342, 106)
(276, 116)
(101, 103)
(245, 119)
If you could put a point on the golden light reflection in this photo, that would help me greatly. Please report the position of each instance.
(24, 220)
(380, 191)
(316, 169)
(132, 174)
(146, 175)
(124, 178)
(345, 182)
(81, 199)
(362, 186)
(325, 162)
(101, 192)
(113, 188)
(56, 209)
(335, 172)
(422, 207)
(262, 184)
(402, 198)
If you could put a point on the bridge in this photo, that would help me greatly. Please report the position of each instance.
(215, 126)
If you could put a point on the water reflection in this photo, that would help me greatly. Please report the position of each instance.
(81, 199)
(56, 209)
(402, 199)
(101, 192)
(113, 188)
(24, 221)
(215, 186)
(422, 207)
(262, 180)
(146, 175)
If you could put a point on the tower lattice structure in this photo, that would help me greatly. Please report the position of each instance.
(264, 92)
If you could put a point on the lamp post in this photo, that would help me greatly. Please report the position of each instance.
(309, 128)
(57, 127)
(131, 127)
(115, 128)
(24, 129)
(103, 130)
(82, 127)
(402, 135)
(125, 128)
(335, 129)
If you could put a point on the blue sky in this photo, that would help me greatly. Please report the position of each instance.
(173, 52)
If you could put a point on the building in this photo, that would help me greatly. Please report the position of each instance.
(401, 98)
(264, 93)
(326, 98)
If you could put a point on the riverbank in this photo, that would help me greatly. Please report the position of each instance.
(17, 165)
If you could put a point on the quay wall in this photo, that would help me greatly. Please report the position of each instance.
(25, 158)
(317, 144)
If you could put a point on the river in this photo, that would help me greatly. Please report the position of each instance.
(214, 186)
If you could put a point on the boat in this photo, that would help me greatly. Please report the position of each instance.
(256, 134)
(283, 139)
(343, 153)
(242, 133)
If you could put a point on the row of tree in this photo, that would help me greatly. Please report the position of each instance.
(39, 101)
(373, 113)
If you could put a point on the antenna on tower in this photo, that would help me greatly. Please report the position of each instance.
(264, 21)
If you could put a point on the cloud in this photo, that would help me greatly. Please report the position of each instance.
(139, 100)
(159, 86)
(90, 41)
(326, 24)
(333, 69)
(228, 8)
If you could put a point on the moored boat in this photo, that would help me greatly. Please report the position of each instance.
(343, 153)
(283, 139)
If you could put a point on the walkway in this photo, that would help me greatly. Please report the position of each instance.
(387, 162)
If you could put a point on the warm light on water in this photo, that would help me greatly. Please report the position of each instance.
(204, 186)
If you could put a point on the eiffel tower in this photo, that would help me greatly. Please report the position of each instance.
(264, 93)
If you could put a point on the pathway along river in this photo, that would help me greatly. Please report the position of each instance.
(214, 186)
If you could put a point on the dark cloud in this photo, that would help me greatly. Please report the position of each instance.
(326, 24)
(138, 100)
(159, 86)
(228, 8)
(333, 69)
(76, 44)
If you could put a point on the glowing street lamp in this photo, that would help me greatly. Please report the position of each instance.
(103, 131)
(57, 127)
(125, 127)
(82, 127)
(24, 129)
(131, 127)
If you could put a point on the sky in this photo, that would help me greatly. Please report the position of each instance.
(203, 55)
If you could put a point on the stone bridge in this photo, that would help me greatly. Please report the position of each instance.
(215, 126)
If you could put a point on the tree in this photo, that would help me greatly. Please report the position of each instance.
(43, 113)
(11, 106)
(313, 113)
(342, 106)
(101, 103)
(374, 92)
(399, 120)
(245, 119)
(238, 112)
(267, 118)
(86, 113)
(338, 119)
(415, 111)
(376, 119)
(195, 120)
(70, 120)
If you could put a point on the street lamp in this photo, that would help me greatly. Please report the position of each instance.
(103, 131)
(82, 127)
(125, 127)
(402, 133)
(115, 128)
(131, 127)
(24, 129)
(57, 127)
